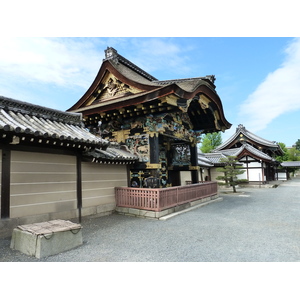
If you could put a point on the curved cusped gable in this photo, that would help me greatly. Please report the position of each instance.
(244, 136)
(117, 77)
(122, 89)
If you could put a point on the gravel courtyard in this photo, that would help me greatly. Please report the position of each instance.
(254, 225)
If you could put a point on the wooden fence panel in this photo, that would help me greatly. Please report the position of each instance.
(159, 199)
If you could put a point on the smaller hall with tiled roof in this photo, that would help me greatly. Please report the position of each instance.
(255, 154)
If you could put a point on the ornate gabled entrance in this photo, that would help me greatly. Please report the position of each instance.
(159, 121)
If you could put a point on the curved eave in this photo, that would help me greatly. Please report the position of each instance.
(258, 141)
(108, 67)
(110, 156)
(156, 93)
(210, 93)
(248, 150)
(120, 102)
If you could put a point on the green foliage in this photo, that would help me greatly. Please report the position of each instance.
(293, 154)
(230, 170)
(297, 145)
(210, 141)
(285, 156)
(242, 181)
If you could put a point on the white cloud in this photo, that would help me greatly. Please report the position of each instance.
(159, 55)
(74, 62)
(63, 62)
(278, 94)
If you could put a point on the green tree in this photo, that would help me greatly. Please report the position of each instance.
(293, 154)
(210, 141)
(285, 156)
(297, 145)
(231, 170)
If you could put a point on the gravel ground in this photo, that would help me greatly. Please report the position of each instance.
(254, 225)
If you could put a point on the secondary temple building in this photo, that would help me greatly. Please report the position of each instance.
(255, 154)
(128, 131)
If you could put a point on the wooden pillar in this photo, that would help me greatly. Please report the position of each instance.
(247, 166)
(154, 149)
(209, 174)
(79, 185)
(194, 163)
(262, 172)
(5, 183)
(201, 175)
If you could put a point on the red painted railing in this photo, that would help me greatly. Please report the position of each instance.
(160, 199)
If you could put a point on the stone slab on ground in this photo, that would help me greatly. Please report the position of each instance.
(46, 238)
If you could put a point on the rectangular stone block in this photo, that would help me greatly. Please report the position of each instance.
(134, 211)
(122, 210)
(47, 238)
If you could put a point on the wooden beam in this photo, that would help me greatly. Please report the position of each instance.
(5, 183)
(79, 185)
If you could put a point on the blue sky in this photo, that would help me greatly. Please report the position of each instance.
(257, 78)
(248, 46)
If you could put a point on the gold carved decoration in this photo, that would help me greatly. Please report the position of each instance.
(121, 135)
(170, 99)
(217, 118)
(114, 86)
(185, 109)
(153, 166)
(204, 102)
(194, 168)
(111, 87)
(139, 145)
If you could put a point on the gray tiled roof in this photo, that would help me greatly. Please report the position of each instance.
(251, 136)
(24, 119)
(204, 161)
(188, 84)
(215, 157)
(250, 149)
(135, 73)
(112, 153)
(291, 164)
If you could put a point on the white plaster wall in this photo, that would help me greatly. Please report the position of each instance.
(184, 177)
(254, 164)
(255, 175)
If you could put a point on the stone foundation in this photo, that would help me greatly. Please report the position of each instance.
(159, 215)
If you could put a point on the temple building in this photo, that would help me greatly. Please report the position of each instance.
(159, 121)
(124, 145)
(256, 155)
